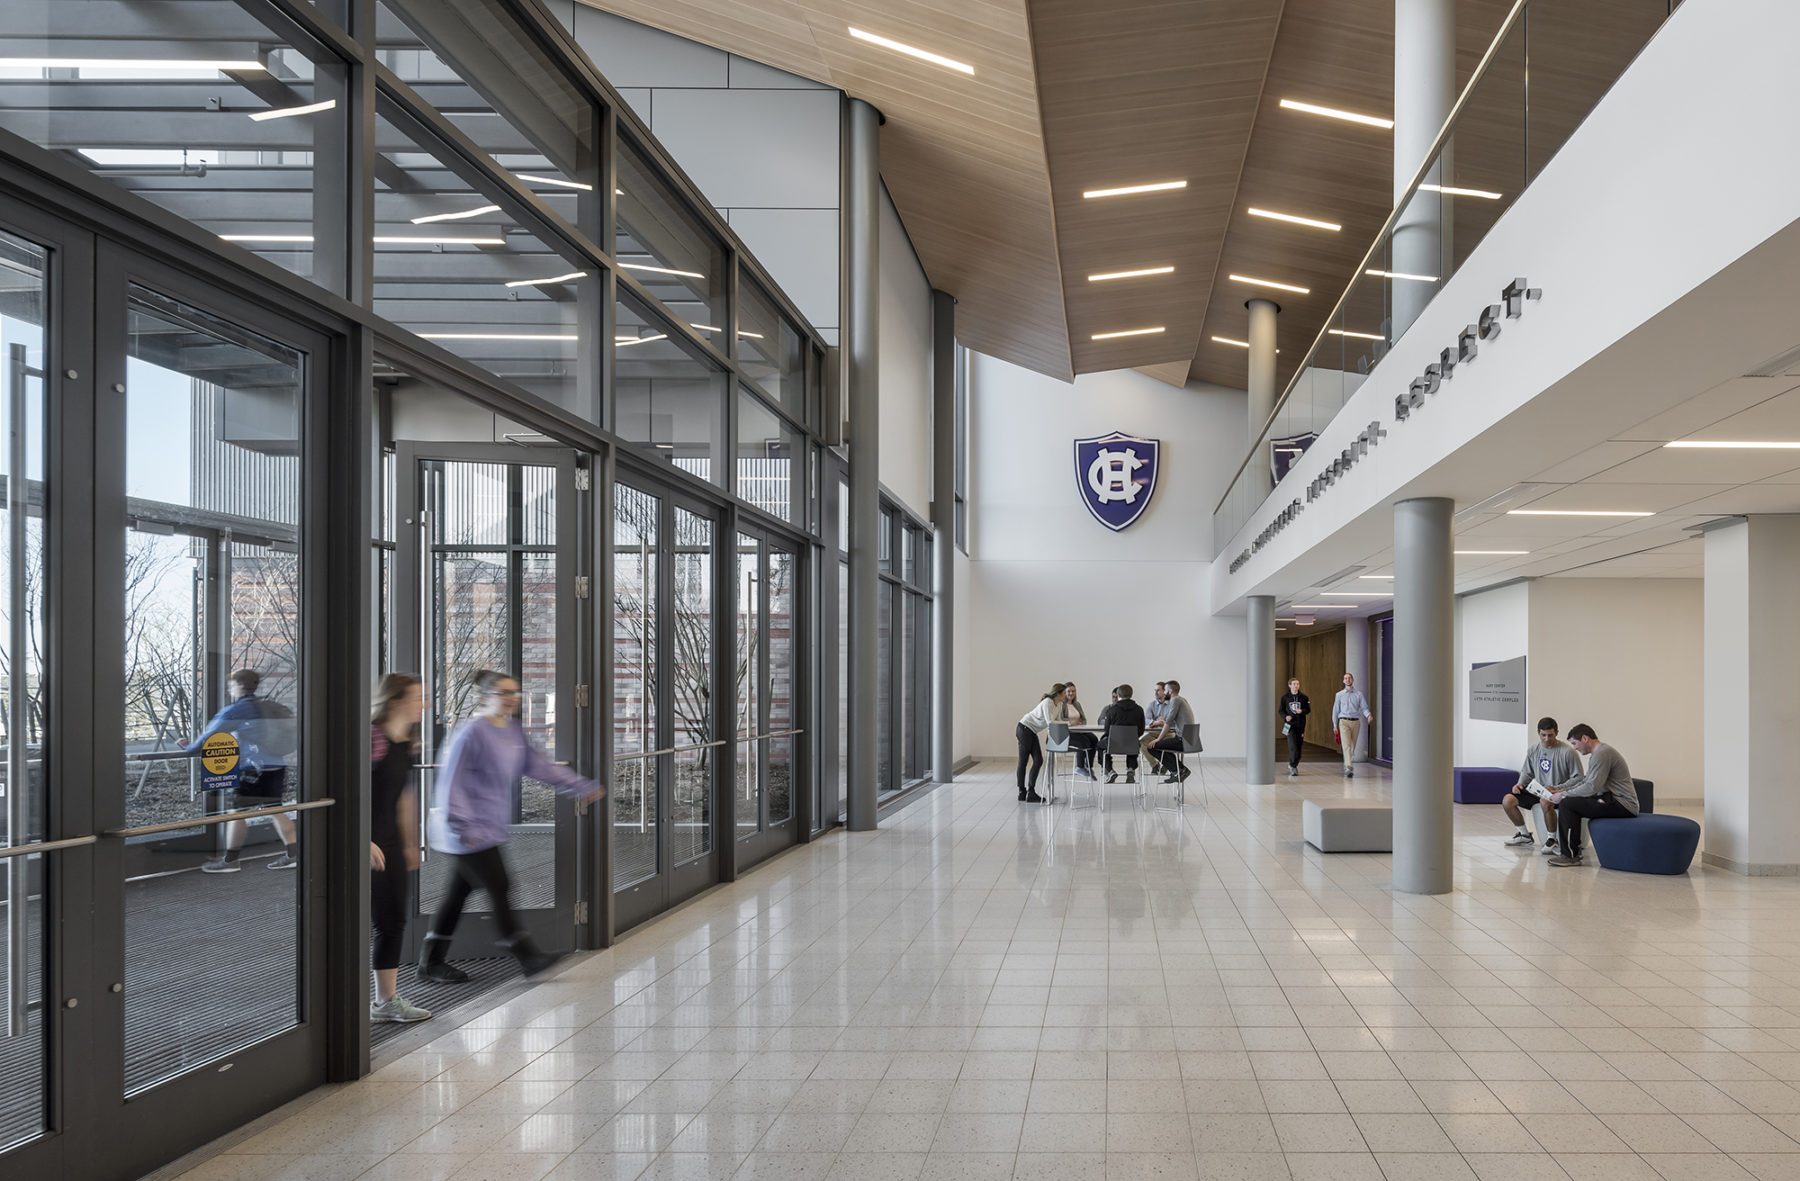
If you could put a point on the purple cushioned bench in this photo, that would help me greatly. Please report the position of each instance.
(1483, 785)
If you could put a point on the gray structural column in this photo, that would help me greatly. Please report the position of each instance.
(1259, 691)
(1424, 91)
(943, 549)
(862, 216)
(1424, 694)
(1356, 663)
(1261, 377)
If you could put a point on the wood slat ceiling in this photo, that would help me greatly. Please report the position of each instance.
(987, 172)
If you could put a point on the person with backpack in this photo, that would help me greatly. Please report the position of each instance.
(265, 735)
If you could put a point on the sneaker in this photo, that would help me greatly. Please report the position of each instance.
(1112, 776)
(1293, 772)
(219, 865)
(1349, 774)
(286, 862)
(1085, 772)
(536, 963)
(1560, 860)
(398, 1010)
(1032, 797)
(441, 973)
(1185, 772)
(1550, 849)
(1522, 839)
(1021, 795)
(1130, 777)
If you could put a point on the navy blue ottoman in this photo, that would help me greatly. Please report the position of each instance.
(1484, 785)
(1647, 843)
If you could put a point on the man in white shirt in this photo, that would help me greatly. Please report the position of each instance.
(1349, 710)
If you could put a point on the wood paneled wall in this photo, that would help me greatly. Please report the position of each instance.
(1318, 660)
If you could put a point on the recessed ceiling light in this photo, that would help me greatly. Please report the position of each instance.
(1377, 577)
(626, 342)
(1161, 186)
(1100, 278)
(149, 65)
(1381, 274)
(1493, 553)
(1571, 512)
(1335, 113)
(1241, 344)
(457, 216)
(286, 112)
(1353, 595)
(913, 51)
(1452, 191)
(1255, 282)
(638, 266)
(551, 180)
(551, 279)
(1126, 332)
(1317, 606)
(706, 327)
(1738, 445)
(399, 241)
(265, 237)
(1316, 224)
(1357, 335)
(494, 336)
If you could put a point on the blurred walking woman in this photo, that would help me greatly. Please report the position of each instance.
(1030, 726)
(393, 836)
(484, 760)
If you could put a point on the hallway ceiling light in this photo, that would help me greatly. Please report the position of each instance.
(1452, 191)
(1357, 335)
(265, 237)
(1492, 553)
(1159, 187)
(1572, 512)
(1354, 595)
(286, 112)
(146, 64)
(1100, 278)
(1241, 344)
(626, 342)
(1255, 282)
(1381, 274)
(551, 279)
(391, 240)
(551, 180)
(638, 266)
(1334, 113)
(1126, 332)
(1377, 577)
(1316, 224)
(495, 336)
(936, 59)
(1318, 606)
(457, 216)
(1739, 444)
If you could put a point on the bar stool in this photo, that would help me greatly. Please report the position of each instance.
(1056, 742)
(1190, 744)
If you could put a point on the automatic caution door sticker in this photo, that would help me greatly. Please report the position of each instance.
(219, 759)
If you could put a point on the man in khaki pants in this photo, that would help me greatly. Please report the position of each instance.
(1349, 710)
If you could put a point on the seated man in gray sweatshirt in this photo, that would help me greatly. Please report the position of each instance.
(1550, 766)
(1604, 793)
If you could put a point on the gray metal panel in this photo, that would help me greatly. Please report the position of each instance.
(754, 147)
(630, 54)
(800, 249)
(748, 75)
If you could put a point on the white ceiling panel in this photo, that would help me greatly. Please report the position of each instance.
(1697, 413)
(1682, 466)
(1593, 461)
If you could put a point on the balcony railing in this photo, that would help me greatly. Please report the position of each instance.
(1548, 67)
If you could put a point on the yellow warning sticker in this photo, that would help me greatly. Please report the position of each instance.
(219, 754)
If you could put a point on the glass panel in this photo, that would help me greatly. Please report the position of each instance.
(783, 683)
(909, 542)
(666, 400)
(843, 517)
(634, 783)
(23, 1075)
(227, 143)
(1484, 159)
(843, 681)
(909, 686)
(885, 541)
(771, 350)
(1578, 50)
(531, 855)
(885, 779)
(692, 686)
(923, 647)
(451, 266)
(212, 480)
(768, 451)
(747, 672)
(666, 248)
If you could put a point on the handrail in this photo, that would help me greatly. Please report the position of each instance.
(221, 818)
(668, 750)
(1381, 236)
(46, 847)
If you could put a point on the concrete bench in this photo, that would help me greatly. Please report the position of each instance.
(1482, 785)
(1348, 826)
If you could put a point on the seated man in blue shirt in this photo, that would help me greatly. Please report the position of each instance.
(265, 734)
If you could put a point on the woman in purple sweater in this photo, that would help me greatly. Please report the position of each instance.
(483, 763)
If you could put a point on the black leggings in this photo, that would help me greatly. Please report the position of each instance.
(484, 870)
(1296, 743)
(1084, 745)
(1028, 750)
(1571, 812)
(387, 908)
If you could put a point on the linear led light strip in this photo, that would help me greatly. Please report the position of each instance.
(1315, 223)
(1100, 278)
(1335, 113)
(287, 112)
(1240, 344)
(638, 266)
(1452, 191)
(457, 216)
(626, 342)
(1354, 595)
(936, 59)
(551, 180)
(715, 328)
(1492, 553)
(1126, 332)
(124, 63)
(1161, 186)
(379, 239)
(494, 336)
(1381, 274)
(1356, 335)
(551, 279)
(1572, 512)
(1255, 282)
(1738, 445)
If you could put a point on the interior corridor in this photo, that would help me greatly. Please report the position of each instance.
(988, 989)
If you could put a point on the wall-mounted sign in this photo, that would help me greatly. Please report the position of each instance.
(1285, 451)
(1117, 476)
(1497, 691)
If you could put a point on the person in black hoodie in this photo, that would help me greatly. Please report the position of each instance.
(1294, 707)
(1122, 712)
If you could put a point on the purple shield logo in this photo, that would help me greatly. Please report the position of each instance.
(1117, 475)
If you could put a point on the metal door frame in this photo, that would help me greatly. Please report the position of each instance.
(769, 839)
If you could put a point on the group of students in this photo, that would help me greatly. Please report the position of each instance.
(1349, 710)
(1158, 733)
(1552, 776)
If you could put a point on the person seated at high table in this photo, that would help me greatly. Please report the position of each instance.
(1164, 738)
(1158, 709)
(1083, 744)
(1035, 722)
(1550, 765)
(1606, 792)
(1122, 712)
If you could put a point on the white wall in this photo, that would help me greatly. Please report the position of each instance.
(1626, 656)
(1052, 593)
(905, 366)
(1493, 626)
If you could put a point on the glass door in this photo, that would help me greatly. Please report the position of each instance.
(488, 557)
(667, 752)
(768, 738)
